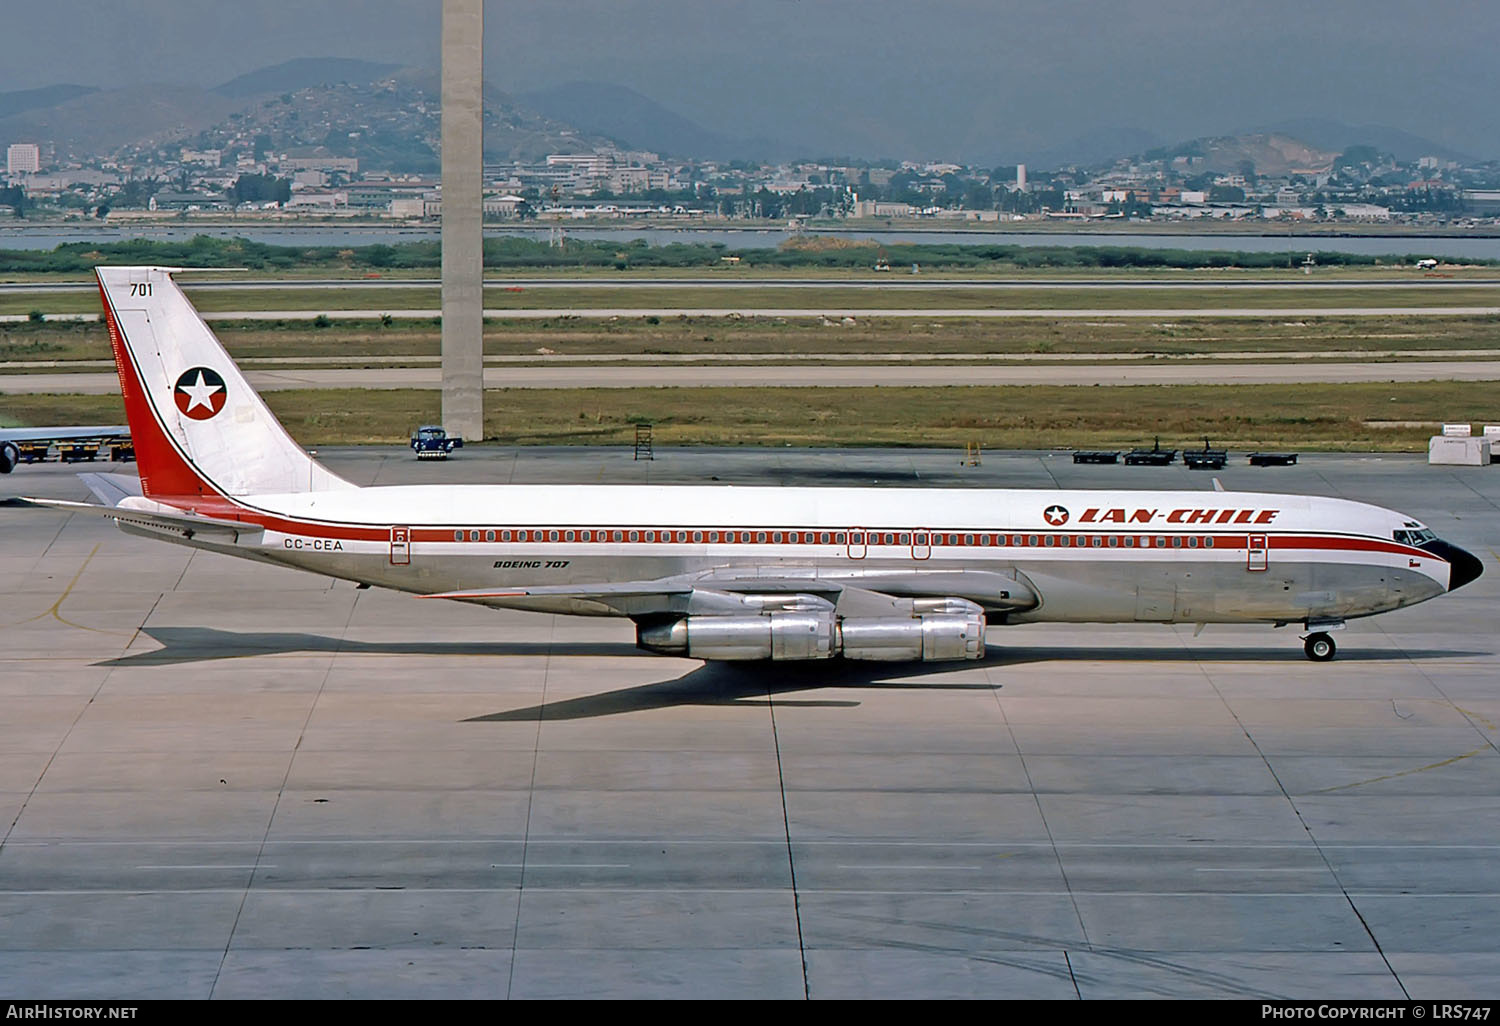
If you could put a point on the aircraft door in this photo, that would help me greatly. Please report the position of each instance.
(400, 546)
(1257, 553)
(857, 543)
(921, 544)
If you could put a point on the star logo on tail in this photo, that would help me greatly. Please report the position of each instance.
(200, 393)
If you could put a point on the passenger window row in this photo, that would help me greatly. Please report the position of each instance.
(920, 538)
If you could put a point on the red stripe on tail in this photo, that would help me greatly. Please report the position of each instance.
(165, 475)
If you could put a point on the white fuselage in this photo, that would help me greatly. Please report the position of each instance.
(1083, 555)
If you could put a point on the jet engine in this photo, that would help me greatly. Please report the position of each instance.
(937, 629)
(768, 636)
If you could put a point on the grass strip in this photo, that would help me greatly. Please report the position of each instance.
(1314, 417)
(353, 340)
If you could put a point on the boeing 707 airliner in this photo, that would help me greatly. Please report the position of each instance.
(725, 572)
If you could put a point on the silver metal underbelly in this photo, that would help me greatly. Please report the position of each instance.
(1111, 591)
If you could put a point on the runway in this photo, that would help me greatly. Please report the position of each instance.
(979, 313)
(219, 779)
(903, 283)
(565, 359)
(801, 375)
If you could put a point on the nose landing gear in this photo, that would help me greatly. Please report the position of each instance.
(1318, 643)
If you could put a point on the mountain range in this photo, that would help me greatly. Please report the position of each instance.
(388, 116)
(1326, 134)
(385, 114)
(630, 119)
(303, 73)
(22, 100)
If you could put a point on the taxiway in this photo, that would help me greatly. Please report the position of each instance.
(1285, 369)
(221, 779)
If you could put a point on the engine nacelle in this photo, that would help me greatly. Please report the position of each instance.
(769, 636)
(952, 630)
(930, 637)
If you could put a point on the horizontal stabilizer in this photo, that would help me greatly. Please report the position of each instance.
(111, 489)
(185, 525)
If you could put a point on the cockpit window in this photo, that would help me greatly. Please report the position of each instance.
(1414, 538)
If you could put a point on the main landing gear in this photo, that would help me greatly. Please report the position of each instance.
(1319, 647)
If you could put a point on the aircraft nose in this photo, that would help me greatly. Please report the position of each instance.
(1466, 566)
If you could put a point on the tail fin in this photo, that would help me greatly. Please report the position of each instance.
(199, 429)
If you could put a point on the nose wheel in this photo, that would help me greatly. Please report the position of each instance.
(1319, 647)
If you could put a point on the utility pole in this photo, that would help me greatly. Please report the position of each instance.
(463, 213)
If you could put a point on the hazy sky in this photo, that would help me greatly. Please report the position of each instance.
(962, 79)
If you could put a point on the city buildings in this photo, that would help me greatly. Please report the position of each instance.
(240, 171)
(23, 159)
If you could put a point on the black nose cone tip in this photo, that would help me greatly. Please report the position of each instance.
(1465, 566)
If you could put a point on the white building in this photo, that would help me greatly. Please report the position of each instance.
(1231, 211)
(1485, 202)
(317, 199)
(318, 158)
(965, 215)
(507, 205)
(637, 179)
(582, 168)
(23, 159)
(1360, 211)
(880, 208)
(1292, 213)
(408, 206)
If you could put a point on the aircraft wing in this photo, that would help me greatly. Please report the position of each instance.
(853, 591)
(184, 525)
(621, 598)
(64, 434)
(620, 589)
(12, 439)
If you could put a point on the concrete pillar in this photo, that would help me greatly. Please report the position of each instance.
(463, 212)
